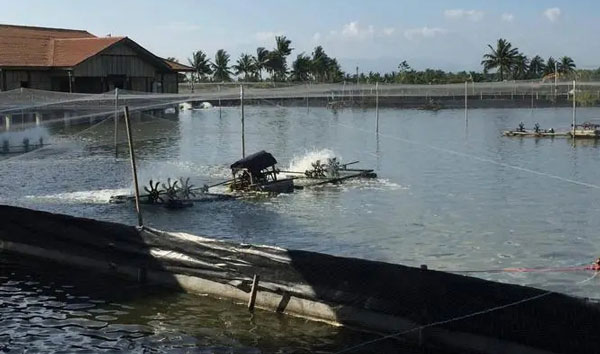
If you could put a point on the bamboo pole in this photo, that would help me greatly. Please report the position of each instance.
(116, 122)
(243, 127)
(377, 107)
(133, 168)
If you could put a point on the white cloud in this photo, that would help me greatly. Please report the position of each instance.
(316, 37)
(473, 15)
(267, 36)
(389, 31)
(552, 13)
(424, 32)
(354, 30)
(506, 17)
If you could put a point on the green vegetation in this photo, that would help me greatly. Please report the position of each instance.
(586, 98)
(501, 62)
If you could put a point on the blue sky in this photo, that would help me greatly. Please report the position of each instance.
(375, 35)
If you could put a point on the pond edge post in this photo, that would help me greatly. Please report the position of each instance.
(133, 167)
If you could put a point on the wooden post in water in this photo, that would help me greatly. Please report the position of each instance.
(133, 168)
(116, 122)
(243, 127)
(253, 291)
(574, 110)
(377, 107)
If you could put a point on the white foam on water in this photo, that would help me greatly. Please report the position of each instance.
(304, 162)
(15, 138)
(101, 196)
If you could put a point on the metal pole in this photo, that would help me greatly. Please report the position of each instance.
(219, 89)
(242, 110)
(116, 121)
(466, 105)
(133, 168)
(307, 108)
(377, 107)
(574, 109)
(555, 78)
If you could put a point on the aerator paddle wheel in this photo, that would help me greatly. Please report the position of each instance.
(318, 170)
(153, 193)
(186, 190)
(171, 190)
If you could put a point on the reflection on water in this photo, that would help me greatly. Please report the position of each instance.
(448, 197)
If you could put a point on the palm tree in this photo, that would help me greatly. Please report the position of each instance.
(301, 68)
(502, 57)
(550, 66)
(276, 63)
(260, 61)
(320, 62)
(245, 65)
(536, 67)
(221, 66)
(566, 65)
(334, 70)
(521, 67)
(201, 64)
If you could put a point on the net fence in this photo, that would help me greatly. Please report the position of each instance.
(28, 109)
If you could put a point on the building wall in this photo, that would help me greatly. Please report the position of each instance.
(117, 60)
(118, 66)
(170, 84)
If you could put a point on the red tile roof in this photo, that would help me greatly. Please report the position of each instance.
(70, 52)
(24, 46)
(175, 66)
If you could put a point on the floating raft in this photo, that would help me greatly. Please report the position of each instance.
(460, 313)
(533, 134)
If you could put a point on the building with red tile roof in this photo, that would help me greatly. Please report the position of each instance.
(77, 61)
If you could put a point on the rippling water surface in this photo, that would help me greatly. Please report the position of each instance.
(451, 194)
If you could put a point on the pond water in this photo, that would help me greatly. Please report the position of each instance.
(452, 193)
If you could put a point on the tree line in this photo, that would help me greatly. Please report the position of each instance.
(315, 67)
(502, 62)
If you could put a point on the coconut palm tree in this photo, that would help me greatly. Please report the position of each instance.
(301, 68)
(501, 58)
(201, 64)
(536, 67)
(277, 62)
(550, 66)
(334, 70)
(244, 65)
(260, 61)
(221, 71)
(521, 67)
(320, 63)
(566, 65)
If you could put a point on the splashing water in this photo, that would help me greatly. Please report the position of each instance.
(304, 162)
(15, 138)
